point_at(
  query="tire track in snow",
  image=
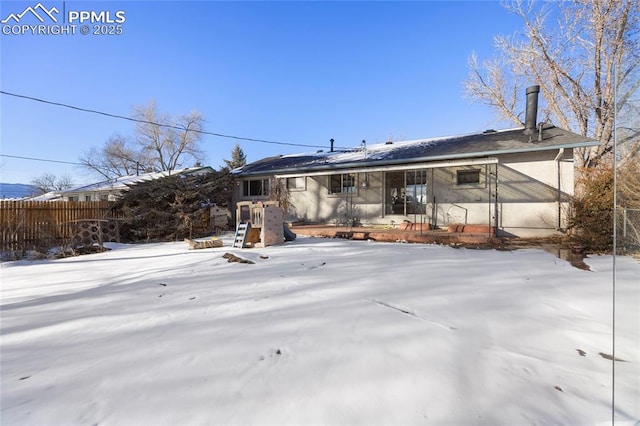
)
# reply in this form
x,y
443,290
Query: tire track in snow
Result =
x,y
410,314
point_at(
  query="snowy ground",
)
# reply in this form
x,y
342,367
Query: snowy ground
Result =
x,y
317,331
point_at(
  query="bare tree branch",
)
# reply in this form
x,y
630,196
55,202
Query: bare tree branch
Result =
x,y
574,57
50,182
156,146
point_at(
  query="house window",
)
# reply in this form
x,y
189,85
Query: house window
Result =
x,y
87,197
406,192
296,183
465,177
255,188
342,184
74,198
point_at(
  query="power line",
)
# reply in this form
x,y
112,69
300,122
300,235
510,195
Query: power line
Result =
x,y
40,159
169,126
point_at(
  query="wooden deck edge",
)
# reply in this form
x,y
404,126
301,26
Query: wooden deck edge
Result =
x,y
396,235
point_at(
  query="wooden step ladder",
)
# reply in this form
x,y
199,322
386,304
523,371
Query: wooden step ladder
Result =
x,y
242,231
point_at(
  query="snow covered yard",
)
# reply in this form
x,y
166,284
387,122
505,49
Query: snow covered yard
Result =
x,y
317,332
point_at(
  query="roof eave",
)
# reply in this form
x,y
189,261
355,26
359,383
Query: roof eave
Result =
x,y
366,164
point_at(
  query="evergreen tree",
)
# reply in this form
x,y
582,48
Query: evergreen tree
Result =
x,y
238,158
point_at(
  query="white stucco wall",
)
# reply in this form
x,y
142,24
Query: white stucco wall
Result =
x,y
527,194
533,207
90,196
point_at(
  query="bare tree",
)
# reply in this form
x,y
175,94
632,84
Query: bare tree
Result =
x,y
279,192
50,182
168,146
578,52
117,157
161,142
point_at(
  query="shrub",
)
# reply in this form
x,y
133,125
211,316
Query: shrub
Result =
x,y
628,183
591,221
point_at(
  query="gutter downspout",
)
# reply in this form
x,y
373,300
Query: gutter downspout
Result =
x,y
559,195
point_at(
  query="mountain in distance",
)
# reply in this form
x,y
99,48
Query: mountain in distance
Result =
x,y
17,190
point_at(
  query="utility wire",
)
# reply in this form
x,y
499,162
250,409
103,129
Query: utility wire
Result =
x,y
40,159
169,126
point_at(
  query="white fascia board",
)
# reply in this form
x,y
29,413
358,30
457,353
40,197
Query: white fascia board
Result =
x,y
410,166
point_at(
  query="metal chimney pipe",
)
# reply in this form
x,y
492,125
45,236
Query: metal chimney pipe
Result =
x,y
331,149
540,129
532,110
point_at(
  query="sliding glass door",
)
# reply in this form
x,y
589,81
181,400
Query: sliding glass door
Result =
x,y
406,192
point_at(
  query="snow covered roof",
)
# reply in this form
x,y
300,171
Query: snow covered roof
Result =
x,y
48,196
123,182
476,145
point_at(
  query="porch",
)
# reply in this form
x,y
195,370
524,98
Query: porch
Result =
x,y
458,235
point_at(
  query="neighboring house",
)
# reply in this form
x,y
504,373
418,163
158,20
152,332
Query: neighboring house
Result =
x,y
47,196
516,181
110,190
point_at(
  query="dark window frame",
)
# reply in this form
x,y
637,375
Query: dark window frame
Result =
x,y
255,188
342,184
468,177
296,179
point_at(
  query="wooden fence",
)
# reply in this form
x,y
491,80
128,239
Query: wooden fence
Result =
x,y
28,225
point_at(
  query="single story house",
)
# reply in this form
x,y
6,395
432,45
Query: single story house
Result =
x,y
110,190
516,182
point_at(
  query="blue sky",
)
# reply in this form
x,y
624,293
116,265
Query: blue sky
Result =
x,y
294,72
